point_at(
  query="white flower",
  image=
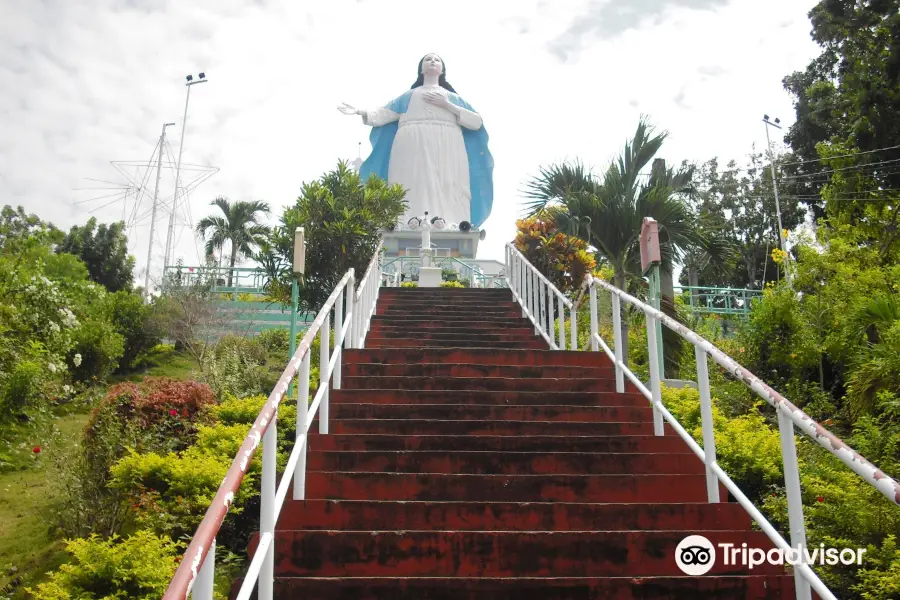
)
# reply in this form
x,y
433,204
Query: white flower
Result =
x,y
52,367
54,327
67,389
77,360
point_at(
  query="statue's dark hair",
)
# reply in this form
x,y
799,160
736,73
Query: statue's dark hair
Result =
x,y
442,80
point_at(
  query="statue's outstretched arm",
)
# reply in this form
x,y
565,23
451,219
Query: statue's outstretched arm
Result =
x,y
375,118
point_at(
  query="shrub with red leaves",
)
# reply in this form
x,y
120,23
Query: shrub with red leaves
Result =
x,y
166,411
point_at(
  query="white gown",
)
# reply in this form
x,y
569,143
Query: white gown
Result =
x,y
429,157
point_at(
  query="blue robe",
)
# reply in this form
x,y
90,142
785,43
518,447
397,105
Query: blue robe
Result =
x,y
481,163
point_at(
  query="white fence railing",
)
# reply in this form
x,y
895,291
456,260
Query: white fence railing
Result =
x,y
540,300
195,574
524,280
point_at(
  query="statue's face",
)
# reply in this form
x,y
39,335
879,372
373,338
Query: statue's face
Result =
x,y
432,65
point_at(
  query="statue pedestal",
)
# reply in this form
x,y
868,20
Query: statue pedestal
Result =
x,y
429,277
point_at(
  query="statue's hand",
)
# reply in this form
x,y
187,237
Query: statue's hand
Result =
x,y
348,110
438,99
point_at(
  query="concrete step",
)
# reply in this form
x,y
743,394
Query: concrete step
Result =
x,y
756,587
535,443
506,488
427,335
535,344
477,384
376,515
504,463
487,398
485,328
476,428
580,414
473,370
498,553
513,357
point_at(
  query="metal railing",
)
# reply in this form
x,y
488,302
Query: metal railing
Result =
x,y
195,574
409,266
789,416
540,301
718,301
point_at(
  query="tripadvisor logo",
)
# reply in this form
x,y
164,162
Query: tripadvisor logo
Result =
x,y
696,555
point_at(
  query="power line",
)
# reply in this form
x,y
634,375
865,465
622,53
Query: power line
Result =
x,y
803,162
865,166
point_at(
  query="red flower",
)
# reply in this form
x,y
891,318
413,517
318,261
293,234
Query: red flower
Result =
x,y
36,449
820,499
173,412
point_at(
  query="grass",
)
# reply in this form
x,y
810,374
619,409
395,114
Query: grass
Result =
x,y
28,541
30,546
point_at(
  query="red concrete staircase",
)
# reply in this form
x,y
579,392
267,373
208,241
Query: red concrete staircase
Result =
x,y
467,461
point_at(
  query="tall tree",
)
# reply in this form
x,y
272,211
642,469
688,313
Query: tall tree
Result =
x,y
104,250
610,211
238,225
738,204
849,94
342,216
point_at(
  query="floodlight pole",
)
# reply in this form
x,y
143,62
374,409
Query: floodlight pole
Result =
x,y
162,144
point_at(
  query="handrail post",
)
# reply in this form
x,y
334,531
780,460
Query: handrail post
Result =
x,y
204,584
532,301
655,384
796,522
573,326
562,322
267,508
617,339
523,286
709,433
324,379
541,305
301,432
595,329
351,307
338,329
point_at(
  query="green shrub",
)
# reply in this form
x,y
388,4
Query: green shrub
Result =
x,y
881,579
139,567
275,340
132,319
96,352
229,371
747,448
451,284
243,411
409,284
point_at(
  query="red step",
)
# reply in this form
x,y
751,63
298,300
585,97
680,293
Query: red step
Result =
x,y
487,443
471,427
475,384
514,357
498,553
758,587
492,463
376,515
336,485
462,343
487,398
458,336
546,412
473,370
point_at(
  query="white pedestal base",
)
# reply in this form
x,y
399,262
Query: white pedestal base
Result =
x,y
429,277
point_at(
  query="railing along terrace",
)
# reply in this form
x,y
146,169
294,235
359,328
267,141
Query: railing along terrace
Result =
x,y
242,278
352,311
721,301
524,279
409,266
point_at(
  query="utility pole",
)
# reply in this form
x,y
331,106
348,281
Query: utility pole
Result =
x,y
787,270
162,145
171,233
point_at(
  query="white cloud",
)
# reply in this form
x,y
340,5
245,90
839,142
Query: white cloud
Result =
x,y
88,82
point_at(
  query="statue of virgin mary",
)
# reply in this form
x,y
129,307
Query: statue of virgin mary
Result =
x,y
434,144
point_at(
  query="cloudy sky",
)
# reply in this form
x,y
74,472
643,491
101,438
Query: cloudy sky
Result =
x,y
87,82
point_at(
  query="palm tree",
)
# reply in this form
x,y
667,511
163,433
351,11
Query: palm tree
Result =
x,y
608,212
238,225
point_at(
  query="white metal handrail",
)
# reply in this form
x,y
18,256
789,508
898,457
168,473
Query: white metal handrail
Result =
x,y
524,277
195,574
789,416
536,294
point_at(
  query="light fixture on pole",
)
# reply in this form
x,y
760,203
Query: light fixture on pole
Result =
x,y
201,78
777,124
